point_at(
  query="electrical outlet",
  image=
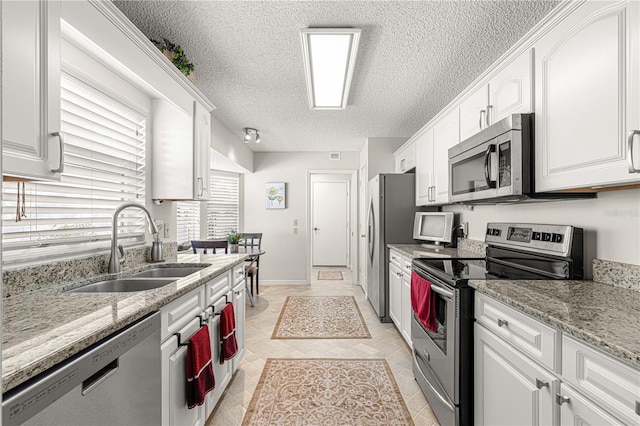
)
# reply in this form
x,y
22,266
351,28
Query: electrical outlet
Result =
x,y
166,230
295,230
295,222
464,227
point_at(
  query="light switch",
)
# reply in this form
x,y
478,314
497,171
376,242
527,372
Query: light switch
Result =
x,y
295,222
295,230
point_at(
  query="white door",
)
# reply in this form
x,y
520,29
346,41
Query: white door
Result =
x,y
329,223
362,241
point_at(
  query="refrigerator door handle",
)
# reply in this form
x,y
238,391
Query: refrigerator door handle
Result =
x,y
371,231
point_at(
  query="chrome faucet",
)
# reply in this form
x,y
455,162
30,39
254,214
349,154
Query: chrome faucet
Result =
x,y
117,254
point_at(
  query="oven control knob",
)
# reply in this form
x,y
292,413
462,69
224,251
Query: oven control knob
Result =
x,y
546,236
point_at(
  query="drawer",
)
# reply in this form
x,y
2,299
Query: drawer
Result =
x,y
238,273
395,258
607,381
179,312
218,286
406,265
539,341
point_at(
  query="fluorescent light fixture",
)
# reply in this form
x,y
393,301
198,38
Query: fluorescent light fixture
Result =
x,y
329,57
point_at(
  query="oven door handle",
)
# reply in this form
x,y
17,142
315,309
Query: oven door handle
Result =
x,y
433,389
441,291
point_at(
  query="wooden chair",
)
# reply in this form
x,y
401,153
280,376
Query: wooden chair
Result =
x,y
252,265
209,244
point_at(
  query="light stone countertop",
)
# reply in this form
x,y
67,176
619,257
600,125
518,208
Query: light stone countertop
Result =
x,y
416,251
43,328
605,316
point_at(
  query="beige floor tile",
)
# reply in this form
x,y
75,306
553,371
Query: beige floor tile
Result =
x,y
386,342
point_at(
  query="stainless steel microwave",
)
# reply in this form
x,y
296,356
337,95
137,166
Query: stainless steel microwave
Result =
x,y
496,165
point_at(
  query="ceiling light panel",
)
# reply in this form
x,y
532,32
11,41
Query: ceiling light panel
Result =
x,y
329,58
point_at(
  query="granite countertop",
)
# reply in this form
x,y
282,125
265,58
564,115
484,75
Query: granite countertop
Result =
x,y
43,328
605,316
416,250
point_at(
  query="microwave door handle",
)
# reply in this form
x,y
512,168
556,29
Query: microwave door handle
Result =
x,y
487,175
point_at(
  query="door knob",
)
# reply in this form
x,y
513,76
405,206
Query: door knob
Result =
x,y
316,229
363,235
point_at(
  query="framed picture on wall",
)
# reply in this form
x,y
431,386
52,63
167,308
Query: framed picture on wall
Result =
x,y
275,195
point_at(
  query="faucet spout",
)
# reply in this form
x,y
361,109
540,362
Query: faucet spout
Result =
x,y
114,261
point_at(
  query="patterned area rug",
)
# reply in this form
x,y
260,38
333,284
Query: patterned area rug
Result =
x,y
330,276
327,392
320,317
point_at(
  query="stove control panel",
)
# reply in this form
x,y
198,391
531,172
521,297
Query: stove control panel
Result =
x,y
540,238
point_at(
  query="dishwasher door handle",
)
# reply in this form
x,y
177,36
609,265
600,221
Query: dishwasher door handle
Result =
x,y
100,377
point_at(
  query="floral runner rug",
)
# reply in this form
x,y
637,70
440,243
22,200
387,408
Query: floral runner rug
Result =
x,y
320,317
330,276
327,392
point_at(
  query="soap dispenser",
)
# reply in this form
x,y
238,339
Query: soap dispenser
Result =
x,y
157,252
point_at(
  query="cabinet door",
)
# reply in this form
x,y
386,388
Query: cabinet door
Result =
x,y
31,89
424,168
446,133
406,159
201,148
587,95
578,410
510,389
174,382
510,91
406,310
221,372
239,307
395,298
473,113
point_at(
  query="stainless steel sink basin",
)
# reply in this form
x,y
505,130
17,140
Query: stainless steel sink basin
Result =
x,y
173,272
123,285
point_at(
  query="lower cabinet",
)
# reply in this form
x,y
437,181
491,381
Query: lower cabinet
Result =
x,y
405,298
395,297
400,309
515,387
509,389
185,316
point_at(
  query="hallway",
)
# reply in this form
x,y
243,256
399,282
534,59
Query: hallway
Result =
x,y
386,342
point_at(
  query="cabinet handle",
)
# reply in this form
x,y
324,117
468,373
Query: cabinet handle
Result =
x,y
488,116
482,112
402,164
561,399
201,187
632,167
502,323
638,408
60,168
541,384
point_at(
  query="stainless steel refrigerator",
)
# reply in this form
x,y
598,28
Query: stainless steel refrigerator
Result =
x,y
392,207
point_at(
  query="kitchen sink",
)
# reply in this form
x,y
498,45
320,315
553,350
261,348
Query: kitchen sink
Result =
x,y
172,272
123,285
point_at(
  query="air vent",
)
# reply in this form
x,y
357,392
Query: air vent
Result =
x,y
334,156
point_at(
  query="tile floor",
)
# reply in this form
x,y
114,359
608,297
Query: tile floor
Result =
x,y
386,342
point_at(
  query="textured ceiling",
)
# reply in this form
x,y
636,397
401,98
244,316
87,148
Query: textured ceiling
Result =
x,y
414,58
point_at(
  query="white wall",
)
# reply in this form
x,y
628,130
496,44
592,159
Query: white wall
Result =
x,y
231,146
611,222
379,154
287,254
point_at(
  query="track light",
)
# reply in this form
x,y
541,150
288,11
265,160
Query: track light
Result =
x,y
251,134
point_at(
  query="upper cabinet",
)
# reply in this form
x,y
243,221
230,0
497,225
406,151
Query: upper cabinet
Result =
x,y
507,92
405,158
32,145
180,152
424,168
587,83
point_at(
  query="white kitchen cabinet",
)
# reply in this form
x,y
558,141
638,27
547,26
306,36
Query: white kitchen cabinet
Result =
x,y
509,91
587,98
239,307
424,168
221,372
180,152
446,133
174,367
406,312
32,145
576,409
510,389
405,158
395,296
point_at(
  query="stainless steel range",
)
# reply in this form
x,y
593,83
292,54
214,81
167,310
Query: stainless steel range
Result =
x,y
443,349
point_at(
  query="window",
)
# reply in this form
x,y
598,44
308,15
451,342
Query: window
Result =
x,y
223,210
188,221
104,166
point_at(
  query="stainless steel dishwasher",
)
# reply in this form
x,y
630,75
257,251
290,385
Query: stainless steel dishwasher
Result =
x,y
114,382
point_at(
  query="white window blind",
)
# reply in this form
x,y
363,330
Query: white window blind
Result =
x,y
223,209
188,221
103,167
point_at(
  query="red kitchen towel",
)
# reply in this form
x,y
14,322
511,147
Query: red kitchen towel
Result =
x,y
228,333
424,306
200,379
